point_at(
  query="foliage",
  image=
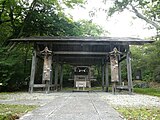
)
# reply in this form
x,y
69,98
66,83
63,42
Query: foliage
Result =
x,y
12,112
20,16
143,9
148,91
12,68
23,18
87,28
140,113
146,58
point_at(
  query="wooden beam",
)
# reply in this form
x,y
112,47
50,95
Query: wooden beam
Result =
x,y
81,57
39,85
78,53
80,40
129,73
33,70
82,64
122,58
81,61
78,43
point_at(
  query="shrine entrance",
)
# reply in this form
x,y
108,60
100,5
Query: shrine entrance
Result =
x,y
108,52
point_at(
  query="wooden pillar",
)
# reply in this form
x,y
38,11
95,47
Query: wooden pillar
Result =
x,y
51,72
103,77
61,76
119,67
129,72
114,68
47,68
89,77
106,76
56,76
48,81
33,70
119,72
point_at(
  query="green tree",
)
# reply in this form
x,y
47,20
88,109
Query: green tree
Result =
x,y
87,28
143,9
147,57
20,18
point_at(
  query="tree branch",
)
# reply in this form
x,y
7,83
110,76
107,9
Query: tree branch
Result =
x,y
144,18
33,4
4,21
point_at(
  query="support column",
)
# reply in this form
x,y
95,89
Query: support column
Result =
x,y
119,72
51,72
119,67
106,76
103,77
89,77
33,70
56,76
129,73
47,68
114,68
48,82
61,76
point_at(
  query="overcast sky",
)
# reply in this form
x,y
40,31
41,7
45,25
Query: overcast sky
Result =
x,y
119,25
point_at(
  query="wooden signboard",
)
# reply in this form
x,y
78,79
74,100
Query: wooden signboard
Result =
x,y
114,68
80,83
47,66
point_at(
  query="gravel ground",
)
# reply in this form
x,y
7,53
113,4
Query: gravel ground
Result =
x,y
135,100
120,99
28,99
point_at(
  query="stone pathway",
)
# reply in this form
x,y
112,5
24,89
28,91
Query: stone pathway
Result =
x,y
75,106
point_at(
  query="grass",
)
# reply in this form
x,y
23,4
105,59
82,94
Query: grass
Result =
x,y
148,91
12,112
139,113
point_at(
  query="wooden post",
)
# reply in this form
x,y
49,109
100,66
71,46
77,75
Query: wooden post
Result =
x,y
47,68
48,82
119,67
129,72
106,76
56,76
47,89
114,68
114,88
33,70
89,77
119,72
103,77
61,76
51,76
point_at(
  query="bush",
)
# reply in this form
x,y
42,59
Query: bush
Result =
x,y
157,74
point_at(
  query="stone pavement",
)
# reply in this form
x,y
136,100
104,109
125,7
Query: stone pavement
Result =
x,y
75,106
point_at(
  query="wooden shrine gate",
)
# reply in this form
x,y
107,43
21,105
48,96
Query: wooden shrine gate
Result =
x,y
80,51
